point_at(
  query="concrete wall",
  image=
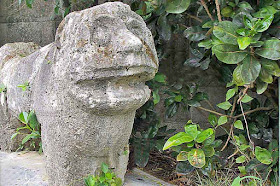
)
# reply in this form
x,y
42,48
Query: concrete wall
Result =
x,y
20,23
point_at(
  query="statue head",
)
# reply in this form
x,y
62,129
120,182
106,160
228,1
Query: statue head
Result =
x,y
110,54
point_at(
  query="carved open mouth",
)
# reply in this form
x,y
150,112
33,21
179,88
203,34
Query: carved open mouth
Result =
x,y
117,90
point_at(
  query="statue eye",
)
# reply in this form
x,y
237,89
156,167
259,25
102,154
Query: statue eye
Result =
x,y
101,36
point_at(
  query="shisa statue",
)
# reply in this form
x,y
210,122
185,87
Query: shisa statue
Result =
x,y
84,87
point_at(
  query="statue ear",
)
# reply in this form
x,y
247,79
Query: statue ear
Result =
x,y
59,33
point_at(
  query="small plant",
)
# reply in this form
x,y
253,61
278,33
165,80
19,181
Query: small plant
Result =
x,y
2,88
105,178
24,86
195,145
32,125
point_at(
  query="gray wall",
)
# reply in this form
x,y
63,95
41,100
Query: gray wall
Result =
x,y
19,23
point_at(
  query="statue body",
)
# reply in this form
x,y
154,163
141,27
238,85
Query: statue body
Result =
x,y
85,88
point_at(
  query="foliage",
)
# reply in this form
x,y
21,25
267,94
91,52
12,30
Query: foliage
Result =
x,y
147,135
31,130
241,41
2,88
24,86
105,178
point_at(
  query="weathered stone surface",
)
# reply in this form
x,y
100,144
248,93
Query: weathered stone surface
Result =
x,y
85,88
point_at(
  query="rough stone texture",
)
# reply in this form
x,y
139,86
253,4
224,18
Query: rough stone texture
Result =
x,y
28,169
18,23
85,88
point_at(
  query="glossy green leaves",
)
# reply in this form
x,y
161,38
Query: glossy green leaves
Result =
x,y
178,139
229,54
226,32
270,49
263,155
196,158
177,6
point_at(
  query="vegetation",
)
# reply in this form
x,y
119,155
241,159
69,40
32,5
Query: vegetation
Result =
x,y
240,40
31,130
105,178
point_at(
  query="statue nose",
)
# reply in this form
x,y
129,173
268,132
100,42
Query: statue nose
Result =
x,y
128,42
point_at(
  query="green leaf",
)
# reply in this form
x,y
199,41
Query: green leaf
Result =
x,y
196,158
229,54
265,76
227,11
191,130
209,151
171,110
243,42
238,124
104,168
242,169
26,138
246,99
156,97
247,22
222,120
13,136
230,94
178,139
164,27
204,135
213,120
226,32
225,105
182,156
263,155
195,33
271,67
261,86
266,11
178,98
184,167
240,159
200,96
270,49
237,77
29,3
23,117
177,6
206,44
32,120
263,25
250,69
160,78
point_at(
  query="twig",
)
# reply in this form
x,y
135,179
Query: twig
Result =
x,y
233,154
206,9
212,111
251,111
196,18
246,124
243,94
231,129
208,102
218,10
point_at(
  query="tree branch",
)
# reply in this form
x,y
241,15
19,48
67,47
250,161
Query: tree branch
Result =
x,y
206,9
218,10
251,111
212,111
